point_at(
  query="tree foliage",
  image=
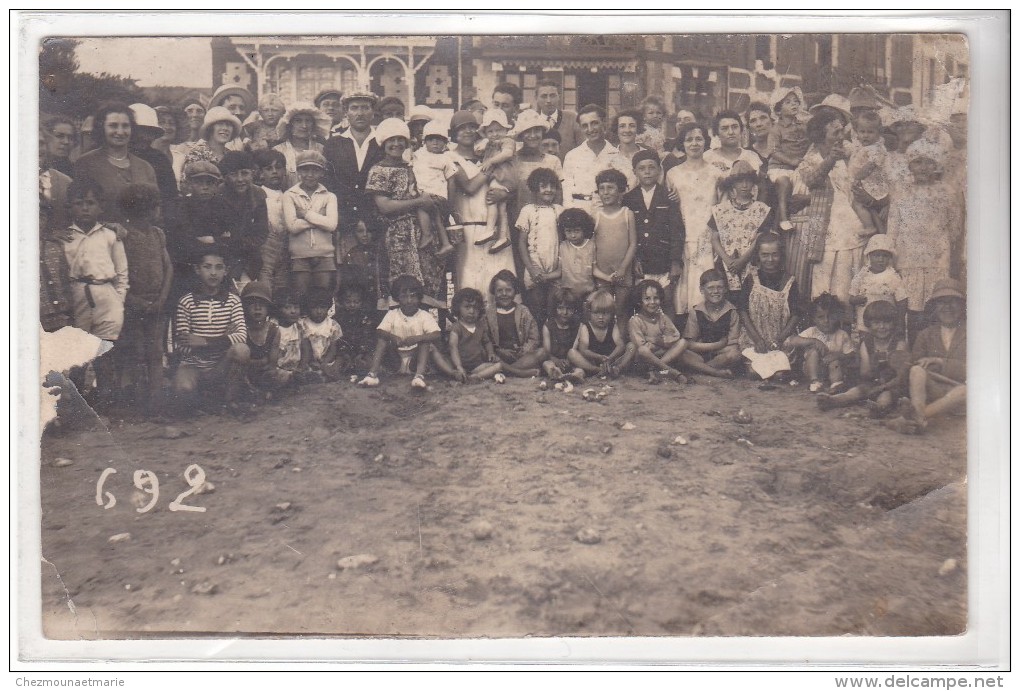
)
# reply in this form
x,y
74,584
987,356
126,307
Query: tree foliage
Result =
x,y
64,89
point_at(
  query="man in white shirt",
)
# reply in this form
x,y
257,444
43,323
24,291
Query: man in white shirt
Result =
x,y
591,157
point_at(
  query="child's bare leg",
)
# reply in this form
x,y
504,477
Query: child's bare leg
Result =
x,y
812,365
864,214
784,187
578,360
621,295
693,361
423,359
842,400
726,358
502,230
491,224
486,370
439,225
877,221
675,352
624,361
442,364
551,370
836,372
425,223
377,356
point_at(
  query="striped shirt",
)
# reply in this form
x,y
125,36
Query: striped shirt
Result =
x,y
213,317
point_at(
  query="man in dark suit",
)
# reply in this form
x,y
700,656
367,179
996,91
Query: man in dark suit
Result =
x,y
660,229
563,121
349,157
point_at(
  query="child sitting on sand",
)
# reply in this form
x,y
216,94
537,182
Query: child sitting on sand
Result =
x,y
600,347
825,345
559,333
472,356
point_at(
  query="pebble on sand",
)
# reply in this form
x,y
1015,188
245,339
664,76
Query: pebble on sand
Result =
x,y
205,588
173,433
948,566
680,439
664,451
743,417
357,561
588,536
606,448
120,537
481,530
62,462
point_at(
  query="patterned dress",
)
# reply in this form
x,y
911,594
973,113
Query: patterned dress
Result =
x,y
402,232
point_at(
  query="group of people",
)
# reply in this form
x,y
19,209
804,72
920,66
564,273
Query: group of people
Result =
x,y
286,243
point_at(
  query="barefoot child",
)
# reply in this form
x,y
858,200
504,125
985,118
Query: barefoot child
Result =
x,y
539,240
497,165
577,251
713,329
472,356
321,334
513,329
878,354
600,348
559,334
409,329
615,240
826,346
433,168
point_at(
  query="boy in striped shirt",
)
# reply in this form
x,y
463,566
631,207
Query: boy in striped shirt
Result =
x,y
210,334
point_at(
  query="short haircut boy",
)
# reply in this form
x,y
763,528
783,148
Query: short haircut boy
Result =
x,y
592,108
316,297
234,161
869,117
602,301
266,157
726,115
575,218
506,276
552,134
711,275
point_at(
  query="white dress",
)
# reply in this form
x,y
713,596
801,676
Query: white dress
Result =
x,y
475,267
696,188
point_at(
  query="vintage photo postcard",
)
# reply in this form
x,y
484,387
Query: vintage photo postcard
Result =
x,y
505,335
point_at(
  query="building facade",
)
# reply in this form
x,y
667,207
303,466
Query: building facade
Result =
x,y
699,72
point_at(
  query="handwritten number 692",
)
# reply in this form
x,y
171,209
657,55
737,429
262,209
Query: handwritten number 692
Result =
x,y
147,482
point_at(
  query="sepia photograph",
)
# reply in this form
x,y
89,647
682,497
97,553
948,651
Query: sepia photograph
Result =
x,y
502,336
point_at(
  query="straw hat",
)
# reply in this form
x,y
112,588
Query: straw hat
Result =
x,y
220,114
861,97
322,121
390,128
834,101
